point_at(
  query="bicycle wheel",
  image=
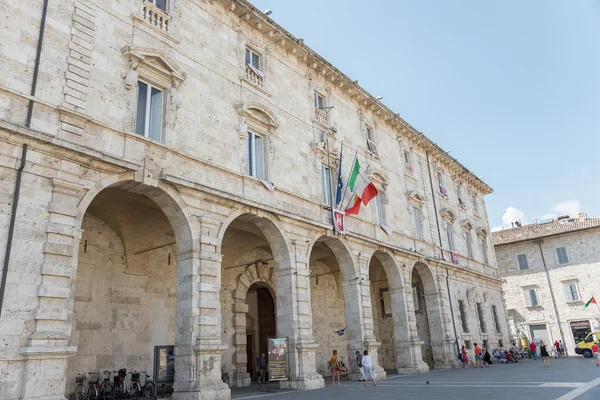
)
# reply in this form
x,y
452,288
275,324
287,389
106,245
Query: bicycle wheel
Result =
x,y
80,392
93,393
344,371
135,390
149,390
106,391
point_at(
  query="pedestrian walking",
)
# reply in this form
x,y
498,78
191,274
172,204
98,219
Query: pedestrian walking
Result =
x,y
487,359
596,352
335,367
544,354
533,349
359,359
562,349
478,356
261,362
367,363
464,358
557,348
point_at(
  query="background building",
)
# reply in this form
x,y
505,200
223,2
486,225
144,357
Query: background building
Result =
x,y
176,189
550,272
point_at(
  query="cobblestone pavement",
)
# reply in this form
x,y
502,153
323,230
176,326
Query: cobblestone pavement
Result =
x,y
566,379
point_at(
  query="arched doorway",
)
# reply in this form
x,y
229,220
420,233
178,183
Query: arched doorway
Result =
x,y
428,316
253,249
335,302
383,308
260,323
126,300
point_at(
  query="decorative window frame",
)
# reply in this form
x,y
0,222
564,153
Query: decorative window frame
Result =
x,y
572,281
467,227
381,180
249,42
526,290
416,201
258,119
409,169
324,120
156,68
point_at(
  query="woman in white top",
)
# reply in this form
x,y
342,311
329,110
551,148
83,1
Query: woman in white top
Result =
x,y
367,363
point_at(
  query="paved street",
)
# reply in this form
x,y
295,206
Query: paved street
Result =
x,y
572,378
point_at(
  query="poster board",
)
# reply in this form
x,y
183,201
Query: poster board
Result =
x,y
164,364
278,359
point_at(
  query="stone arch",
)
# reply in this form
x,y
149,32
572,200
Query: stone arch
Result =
x,y
270,227
342,252
178,215
163,194
431,293
275,274
255,273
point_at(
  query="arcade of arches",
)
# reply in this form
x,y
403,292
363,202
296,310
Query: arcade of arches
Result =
x,y
152,270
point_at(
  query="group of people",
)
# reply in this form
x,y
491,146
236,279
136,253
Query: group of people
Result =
x,y
364,363
483,357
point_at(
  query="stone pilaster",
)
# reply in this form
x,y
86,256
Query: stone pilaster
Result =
x,y
48,350
446,356
242,378
294,319
198,347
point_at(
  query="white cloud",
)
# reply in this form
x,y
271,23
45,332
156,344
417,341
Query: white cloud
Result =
x,y
511,215
571,208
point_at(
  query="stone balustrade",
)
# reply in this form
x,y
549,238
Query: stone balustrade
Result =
x,y
155,16
322,117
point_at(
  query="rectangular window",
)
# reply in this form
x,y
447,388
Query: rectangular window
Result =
x,y
496,321
522,260
463,316
469,242
440,178
408,162
319,101
379,214
256,158
561,255
450,235
370,134
416,292
571,291
149,112
484,250
253,59
162,4
418,222
480,315
531,297
326,180
475,205
461,201
443,189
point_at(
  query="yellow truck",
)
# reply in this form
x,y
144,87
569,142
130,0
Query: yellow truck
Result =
x,y
585,346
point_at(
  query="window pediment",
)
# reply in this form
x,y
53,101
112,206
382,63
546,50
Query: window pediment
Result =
x,y
482,231
448,215
379,178
466,224
415,198
258,115
153,65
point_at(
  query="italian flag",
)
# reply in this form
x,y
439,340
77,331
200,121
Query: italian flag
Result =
x,y
361,187
591,301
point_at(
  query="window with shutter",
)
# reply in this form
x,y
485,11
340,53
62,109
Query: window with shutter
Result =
x,y
522,261
561,255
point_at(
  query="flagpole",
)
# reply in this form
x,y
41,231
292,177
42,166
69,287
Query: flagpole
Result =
x,y
346,187
330,185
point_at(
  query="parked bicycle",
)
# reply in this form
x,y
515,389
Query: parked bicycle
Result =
x,y
93,392
225,377
164,389
135,384
106,387
148,389
80,389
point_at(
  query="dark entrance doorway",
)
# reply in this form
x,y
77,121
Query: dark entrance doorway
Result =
x,y
261,310
580,330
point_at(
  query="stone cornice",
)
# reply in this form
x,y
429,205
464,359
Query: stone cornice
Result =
x,y
250,15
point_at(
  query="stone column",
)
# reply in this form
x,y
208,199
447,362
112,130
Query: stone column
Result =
x,y
242,377
369,341
407,345
198,347
47,351
294,318
446,354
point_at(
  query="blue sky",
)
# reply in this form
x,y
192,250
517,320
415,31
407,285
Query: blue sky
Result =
x,y
511,87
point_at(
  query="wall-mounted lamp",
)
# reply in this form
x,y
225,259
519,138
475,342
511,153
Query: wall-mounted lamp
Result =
x,y
268,11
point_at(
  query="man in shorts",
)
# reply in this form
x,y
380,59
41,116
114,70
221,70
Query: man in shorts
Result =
x,y
478,356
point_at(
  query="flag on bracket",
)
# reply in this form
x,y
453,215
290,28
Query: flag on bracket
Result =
x,y
455,258
591,301
362,189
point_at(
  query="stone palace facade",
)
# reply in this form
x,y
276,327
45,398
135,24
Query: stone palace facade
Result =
x,y
549,269
166,172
